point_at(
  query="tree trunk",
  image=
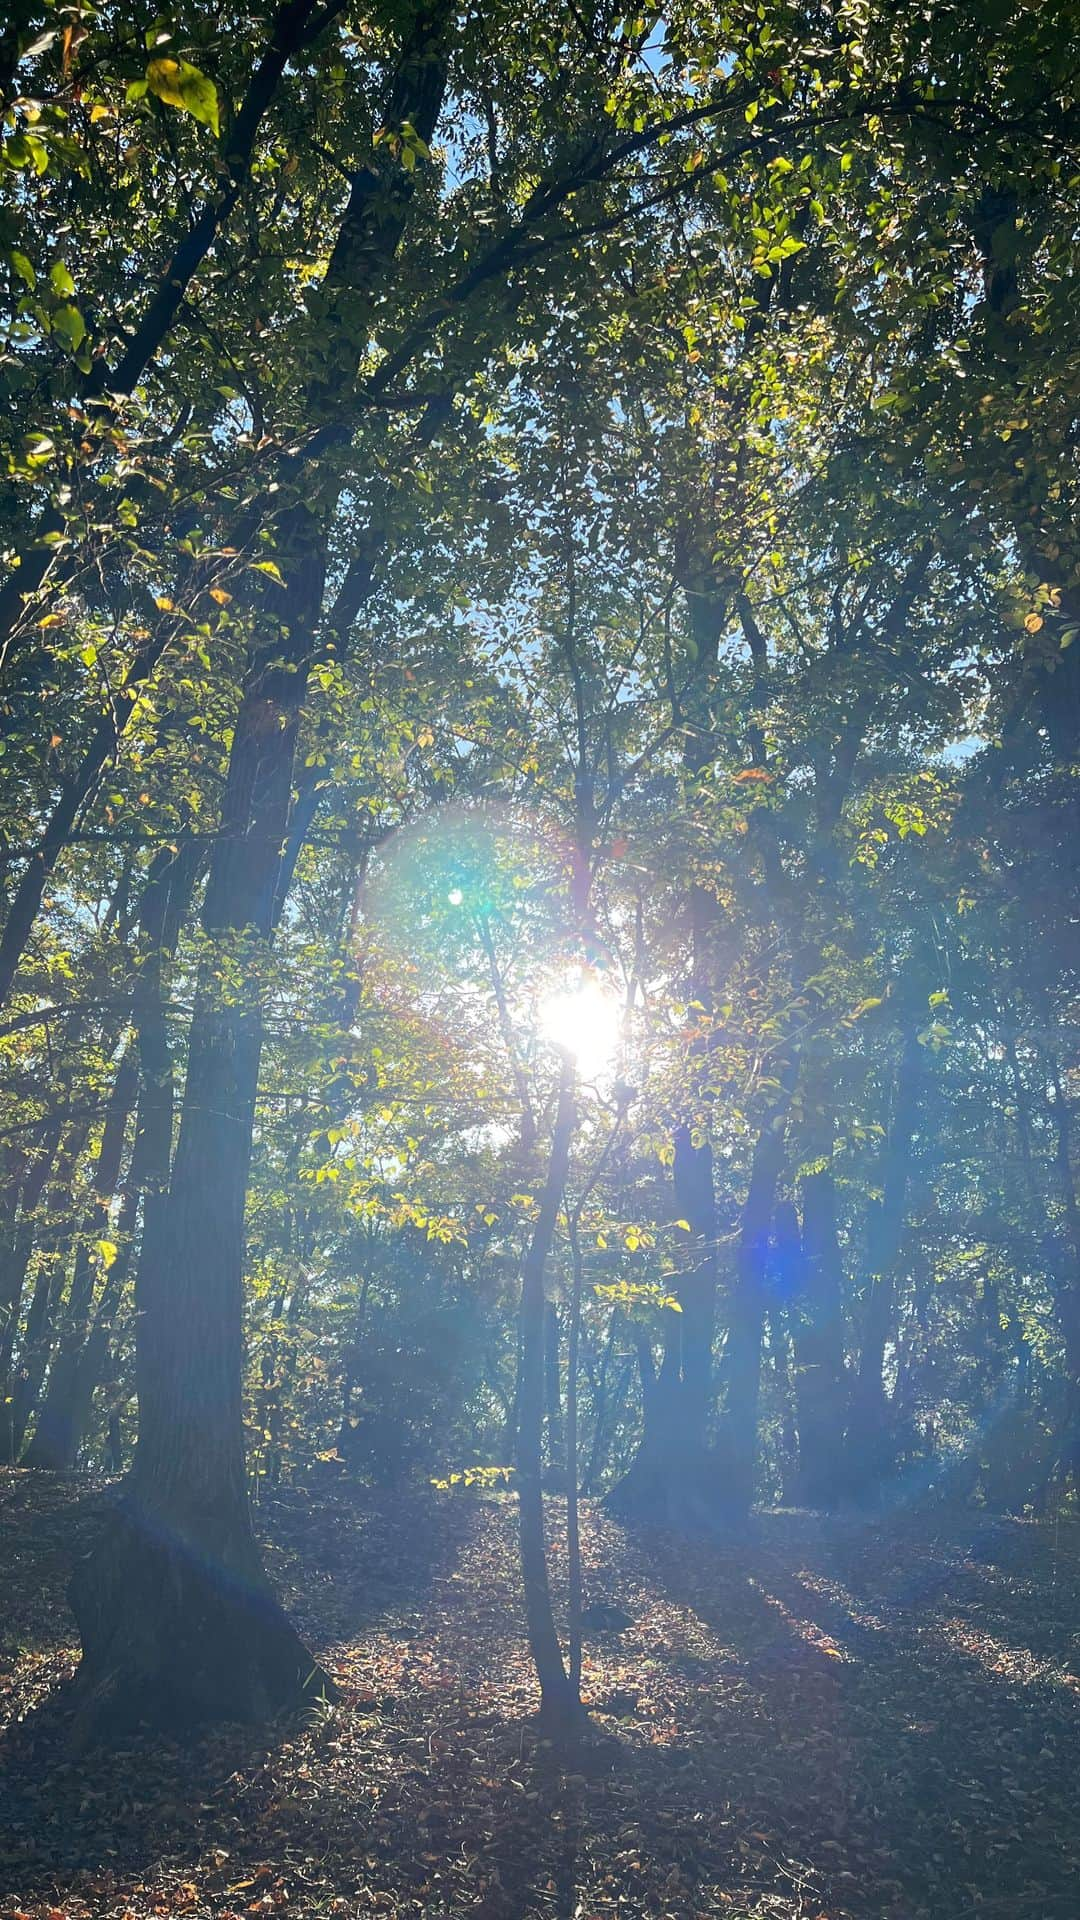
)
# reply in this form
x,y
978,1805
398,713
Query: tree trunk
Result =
x,y
162,911
573,1521
54,1441
601,1396
673,1480
556,1471
818,1329
15,1251
742,1353
1067,1290
177,1619
869,1448
37,1333
780,1352
560,1706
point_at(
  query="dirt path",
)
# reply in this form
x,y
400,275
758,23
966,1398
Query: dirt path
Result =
x,y
823,1722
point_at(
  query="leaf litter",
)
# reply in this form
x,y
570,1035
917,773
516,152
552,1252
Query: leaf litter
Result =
x,y
822,1720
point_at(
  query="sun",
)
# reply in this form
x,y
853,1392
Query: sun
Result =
x,y
582,1018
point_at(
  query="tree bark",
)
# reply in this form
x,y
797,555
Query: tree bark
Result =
x,y
1067,1290
79,1366
37,1333
560,1705
869,1448
15,1251
553,1397
742,1353
54,1439
818,1329
177,1618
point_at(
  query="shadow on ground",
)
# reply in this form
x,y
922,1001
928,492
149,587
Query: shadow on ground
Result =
x,y
823,1721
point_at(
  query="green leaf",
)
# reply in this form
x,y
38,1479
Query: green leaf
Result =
x,y
179,84
23,267
26,150
60,280
68,322
271,567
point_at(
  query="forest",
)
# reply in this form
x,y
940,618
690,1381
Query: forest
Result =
x,y
539,962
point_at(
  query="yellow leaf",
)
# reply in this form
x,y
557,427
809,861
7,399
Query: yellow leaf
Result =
x,y
179,84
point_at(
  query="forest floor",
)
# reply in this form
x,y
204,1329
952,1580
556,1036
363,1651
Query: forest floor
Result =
x,y
826,1720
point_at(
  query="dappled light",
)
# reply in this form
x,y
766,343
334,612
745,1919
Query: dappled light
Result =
x,y
539,1057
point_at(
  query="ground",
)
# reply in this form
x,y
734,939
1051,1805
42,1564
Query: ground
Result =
x,y
825,1721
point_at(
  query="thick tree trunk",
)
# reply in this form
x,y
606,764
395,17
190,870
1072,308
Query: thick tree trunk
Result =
x,y
177,1619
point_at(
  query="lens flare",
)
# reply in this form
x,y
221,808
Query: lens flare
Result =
x,y
581,1017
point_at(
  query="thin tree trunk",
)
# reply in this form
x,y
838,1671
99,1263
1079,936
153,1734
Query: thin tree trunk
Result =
x,y
37,1333
14,1258
868,1443
1067,1292
553,1395
54,1440
560,1706
600,1406
816,1316
573,1519
163,910
672,1479
742,1353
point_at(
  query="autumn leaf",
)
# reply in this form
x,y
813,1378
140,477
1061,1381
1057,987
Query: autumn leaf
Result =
x,y
181,85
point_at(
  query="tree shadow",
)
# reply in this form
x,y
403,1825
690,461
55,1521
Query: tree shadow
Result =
x,y
346,1563
798,1738
893,1763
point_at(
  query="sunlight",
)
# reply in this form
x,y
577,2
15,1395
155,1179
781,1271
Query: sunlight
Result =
x,y
582,1018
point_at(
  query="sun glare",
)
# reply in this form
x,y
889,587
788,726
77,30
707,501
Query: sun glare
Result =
x,y
582,1018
